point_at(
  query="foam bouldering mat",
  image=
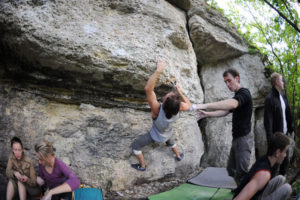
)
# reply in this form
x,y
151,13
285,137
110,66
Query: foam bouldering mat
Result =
x,y
214,177
192,192
223,194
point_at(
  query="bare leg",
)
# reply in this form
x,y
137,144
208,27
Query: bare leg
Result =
x,y
141,160
22,190
175,150
10,191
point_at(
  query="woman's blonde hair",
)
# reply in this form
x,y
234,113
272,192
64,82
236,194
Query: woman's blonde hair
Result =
x,y
44,148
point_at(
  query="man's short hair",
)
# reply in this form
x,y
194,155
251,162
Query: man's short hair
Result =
x,y
231,71
274,77
277,141
171,105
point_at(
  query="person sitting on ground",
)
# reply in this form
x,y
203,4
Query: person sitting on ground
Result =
x,y
20,172
54,174
163,116
259,182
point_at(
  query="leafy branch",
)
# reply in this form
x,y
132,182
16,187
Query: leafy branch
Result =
x,y
260,28
283,16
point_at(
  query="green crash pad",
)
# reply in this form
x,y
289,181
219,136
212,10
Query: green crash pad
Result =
x,y
193,192
223,194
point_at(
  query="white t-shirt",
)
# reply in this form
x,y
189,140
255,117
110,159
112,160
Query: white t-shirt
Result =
x,y
283,107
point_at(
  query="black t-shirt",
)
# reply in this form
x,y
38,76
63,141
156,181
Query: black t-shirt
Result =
x,y
263,164
241,116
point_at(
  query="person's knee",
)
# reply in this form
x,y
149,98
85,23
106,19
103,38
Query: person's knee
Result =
x,y
230,171
20,184
244,157
280,179
135,147
171,143
40,181
136,152
287,189
10,185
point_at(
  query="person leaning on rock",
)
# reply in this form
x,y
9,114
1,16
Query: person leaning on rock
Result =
x,y
163,116
241,107
277,114
20,172
260,182
55,175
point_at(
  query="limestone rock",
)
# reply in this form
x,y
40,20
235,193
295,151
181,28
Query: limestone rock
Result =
x,y
96,142
261,144
217,138
73,72
96,52
186,5
213,38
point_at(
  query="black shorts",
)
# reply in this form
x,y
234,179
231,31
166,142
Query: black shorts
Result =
x,y
65,196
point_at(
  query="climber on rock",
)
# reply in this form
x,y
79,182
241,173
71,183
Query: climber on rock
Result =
x,y
163,116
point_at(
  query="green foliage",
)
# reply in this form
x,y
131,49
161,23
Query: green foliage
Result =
x,y
213,5
296,185
275,36
253,50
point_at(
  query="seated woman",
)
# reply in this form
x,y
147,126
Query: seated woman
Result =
x,y
55,175
20,172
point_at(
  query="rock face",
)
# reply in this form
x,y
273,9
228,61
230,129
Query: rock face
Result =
x,y
73,72
93,52
63,55
260,133
213,39
95,142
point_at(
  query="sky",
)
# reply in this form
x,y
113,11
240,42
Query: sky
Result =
x,y
224,4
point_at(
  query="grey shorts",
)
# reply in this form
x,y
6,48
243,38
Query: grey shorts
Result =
x,y
276,189
32,191
145,140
